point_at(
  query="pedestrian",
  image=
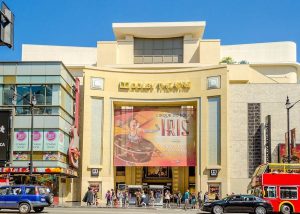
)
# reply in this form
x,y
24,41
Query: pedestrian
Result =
x,y
108,198
88,197
114,198
186,199
151,198
179,199
199,199
126,199
206,198
143,199
120,197
167,199
138,198
193,201
217,197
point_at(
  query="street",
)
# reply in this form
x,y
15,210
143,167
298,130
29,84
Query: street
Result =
x,y
59,210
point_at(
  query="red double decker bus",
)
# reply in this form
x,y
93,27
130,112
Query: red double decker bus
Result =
x,y
279,184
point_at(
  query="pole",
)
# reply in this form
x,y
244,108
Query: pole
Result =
x,y
288,135
31,145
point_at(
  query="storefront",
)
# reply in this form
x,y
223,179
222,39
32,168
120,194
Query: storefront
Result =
x,y
54,147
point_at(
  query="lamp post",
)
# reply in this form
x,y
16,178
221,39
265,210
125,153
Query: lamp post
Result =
x,y
288,106
32,103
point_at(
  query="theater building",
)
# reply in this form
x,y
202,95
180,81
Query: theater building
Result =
x,y
160,108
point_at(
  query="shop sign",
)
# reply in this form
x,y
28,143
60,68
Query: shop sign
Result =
x,y
20,156
4,135
51,140
268,139
21,140
94,172
38,140
213,172
74,152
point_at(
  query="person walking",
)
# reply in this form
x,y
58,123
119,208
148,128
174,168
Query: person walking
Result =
x,y
217,197
186,199
138,198
143,199
151,198
179,199
126,199
108,198
114,198
193,201
88,197
206,198
199,199
167,199
120,197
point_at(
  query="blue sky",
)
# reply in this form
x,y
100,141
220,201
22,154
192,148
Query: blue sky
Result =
x,y
84,22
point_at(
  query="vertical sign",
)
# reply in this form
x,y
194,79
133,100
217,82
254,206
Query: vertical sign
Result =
x,y
293,140
4,135
268,139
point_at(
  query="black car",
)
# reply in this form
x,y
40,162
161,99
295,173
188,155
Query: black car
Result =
x,y
238,204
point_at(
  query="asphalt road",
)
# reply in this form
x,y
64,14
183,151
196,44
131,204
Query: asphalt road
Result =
x,y
58,210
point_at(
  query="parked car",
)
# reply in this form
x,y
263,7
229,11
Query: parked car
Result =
x,y
25,198
239,204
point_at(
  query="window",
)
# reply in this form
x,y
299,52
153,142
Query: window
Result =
x,y
4,190
8,92
269,192
24,93
48,94
155,51
15,191
288,193
120,170
191,171
30,190
236,198
39,92
249,198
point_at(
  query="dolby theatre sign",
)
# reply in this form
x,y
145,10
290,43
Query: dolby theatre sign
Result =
x,y
178,86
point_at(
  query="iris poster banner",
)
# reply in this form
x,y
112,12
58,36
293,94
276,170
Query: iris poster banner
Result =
x,y
155,136
4,135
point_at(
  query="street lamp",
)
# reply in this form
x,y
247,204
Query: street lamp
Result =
x,y
32,103
288,106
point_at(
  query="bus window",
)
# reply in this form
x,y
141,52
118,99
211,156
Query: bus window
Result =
x,y
269,192
288,193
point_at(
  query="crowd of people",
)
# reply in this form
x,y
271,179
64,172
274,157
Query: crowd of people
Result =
x,y
120,198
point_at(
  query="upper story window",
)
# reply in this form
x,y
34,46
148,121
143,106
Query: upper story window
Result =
x,y
156,51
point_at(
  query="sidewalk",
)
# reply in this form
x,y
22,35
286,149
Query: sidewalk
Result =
x,y
79,205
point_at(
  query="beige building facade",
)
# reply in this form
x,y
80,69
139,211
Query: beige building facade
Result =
x,y
166,68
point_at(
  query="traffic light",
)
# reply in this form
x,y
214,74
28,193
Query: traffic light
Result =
x,y
29,166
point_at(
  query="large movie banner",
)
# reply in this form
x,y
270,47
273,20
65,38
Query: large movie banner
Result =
x,y
155,136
